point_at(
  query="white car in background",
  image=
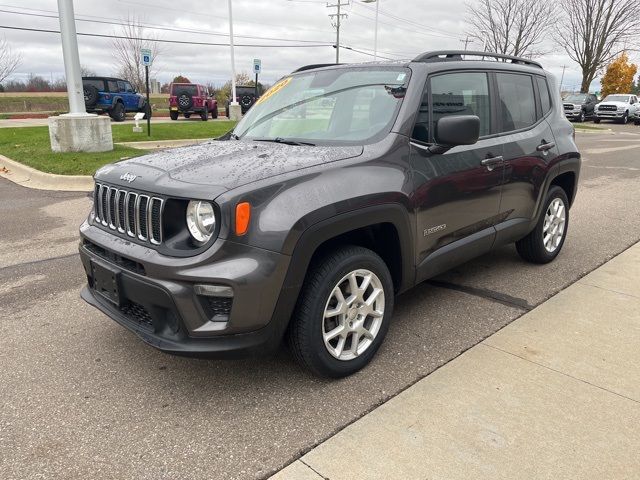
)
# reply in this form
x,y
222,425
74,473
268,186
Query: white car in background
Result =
x,y
619,107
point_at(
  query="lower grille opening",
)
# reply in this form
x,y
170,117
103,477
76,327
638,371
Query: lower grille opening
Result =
x,y
138,314
217,309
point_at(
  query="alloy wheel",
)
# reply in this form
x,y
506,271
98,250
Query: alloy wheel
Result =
x,y
554,225
353,314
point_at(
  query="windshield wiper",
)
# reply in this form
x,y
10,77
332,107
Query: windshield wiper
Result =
x,y
285,141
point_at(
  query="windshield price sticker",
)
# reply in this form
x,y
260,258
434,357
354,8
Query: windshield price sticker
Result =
x,y
275,89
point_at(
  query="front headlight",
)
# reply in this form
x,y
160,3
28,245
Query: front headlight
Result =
x,y
201,220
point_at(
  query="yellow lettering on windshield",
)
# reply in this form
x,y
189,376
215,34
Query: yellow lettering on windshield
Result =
x,y
275,89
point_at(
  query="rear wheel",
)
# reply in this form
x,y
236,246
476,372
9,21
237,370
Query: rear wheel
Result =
x,y
147,111
214,112
204,114
173,115
544,243
117,113
343,312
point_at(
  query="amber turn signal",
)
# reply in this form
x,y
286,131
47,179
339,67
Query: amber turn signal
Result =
x,y
243,216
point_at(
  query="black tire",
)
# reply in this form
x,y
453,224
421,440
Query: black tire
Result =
x,y
204,114
531,248
305,332
173,115
147,111
187,115
117,113
636,121
91,95
214,112
596,120
625,118
582,117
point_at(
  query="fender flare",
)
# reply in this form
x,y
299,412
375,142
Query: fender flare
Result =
x,y
318,233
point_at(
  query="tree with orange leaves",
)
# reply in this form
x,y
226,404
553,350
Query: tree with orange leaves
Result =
x,y
619,76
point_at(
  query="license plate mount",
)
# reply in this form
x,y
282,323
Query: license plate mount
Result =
x,y
106,282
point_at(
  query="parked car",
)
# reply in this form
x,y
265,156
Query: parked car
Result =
x,y
306,227
113,96
579,106
189,98
246,97
617,107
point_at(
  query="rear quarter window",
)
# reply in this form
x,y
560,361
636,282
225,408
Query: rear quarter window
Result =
x,y
99,84
516,101
545,96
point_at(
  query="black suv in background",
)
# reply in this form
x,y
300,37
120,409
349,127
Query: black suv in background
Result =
x,y
246,97
343,187
579,106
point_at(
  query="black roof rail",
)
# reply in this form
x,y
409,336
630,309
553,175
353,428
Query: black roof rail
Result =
x,y
316,65
453,55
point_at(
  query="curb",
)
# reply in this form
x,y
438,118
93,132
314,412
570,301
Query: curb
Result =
x,y
32,178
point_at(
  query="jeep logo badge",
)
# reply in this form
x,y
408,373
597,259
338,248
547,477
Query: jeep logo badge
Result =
x,y
128,177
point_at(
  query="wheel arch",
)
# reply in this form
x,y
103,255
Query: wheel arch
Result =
x,y
385,229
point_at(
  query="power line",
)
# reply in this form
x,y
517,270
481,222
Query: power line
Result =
x,y
183,42
157,27
405,28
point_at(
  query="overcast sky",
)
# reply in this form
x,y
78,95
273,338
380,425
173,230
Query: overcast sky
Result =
x,y
420,25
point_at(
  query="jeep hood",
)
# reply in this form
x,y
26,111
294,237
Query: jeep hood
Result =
x,y
218,165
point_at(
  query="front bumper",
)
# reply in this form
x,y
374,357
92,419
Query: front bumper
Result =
x,y
156,298
609,114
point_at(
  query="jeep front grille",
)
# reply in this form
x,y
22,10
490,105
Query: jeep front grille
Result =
x,y
130,213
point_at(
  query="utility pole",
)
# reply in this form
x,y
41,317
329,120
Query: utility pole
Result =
x,y
466,42
336,19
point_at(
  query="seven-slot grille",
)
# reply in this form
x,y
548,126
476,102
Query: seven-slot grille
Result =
x,y
134,214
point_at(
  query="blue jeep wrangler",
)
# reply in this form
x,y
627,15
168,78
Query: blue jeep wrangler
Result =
x,y
113,96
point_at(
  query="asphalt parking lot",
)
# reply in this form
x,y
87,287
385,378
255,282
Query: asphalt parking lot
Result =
x,y
81,397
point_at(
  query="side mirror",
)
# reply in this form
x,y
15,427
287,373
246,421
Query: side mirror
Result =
x,y
455,130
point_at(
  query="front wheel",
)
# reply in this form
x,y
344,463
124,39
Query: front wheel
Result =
x,y
625,118
582,117
214,112
204,114
544,243
636,121
147,111
596,120
343,312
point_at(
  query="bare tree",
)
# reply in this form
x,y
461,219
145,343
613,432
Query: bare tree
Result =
x,y
9,60
87,72
593,32
127,51
511,27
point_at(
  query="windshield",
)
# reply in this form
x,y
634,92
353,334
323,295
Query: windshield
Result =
x,y
616,98
343,106
576,98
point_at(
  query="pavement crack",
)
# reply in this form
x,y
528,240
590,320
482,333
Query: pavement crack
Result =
x,y
35,262
492,295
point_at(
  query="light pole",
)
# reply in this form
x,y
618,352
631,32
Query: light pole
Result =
x,y
76,131
235,111
375,35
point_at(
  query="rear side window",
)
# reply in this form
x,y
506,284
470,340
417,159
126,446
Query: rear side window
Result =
x,y
516,103
99,84
464,93
545,98
113,85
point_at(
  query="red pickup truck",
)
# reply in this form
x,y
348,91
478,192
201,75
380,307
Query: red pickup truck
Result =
x,y
188,98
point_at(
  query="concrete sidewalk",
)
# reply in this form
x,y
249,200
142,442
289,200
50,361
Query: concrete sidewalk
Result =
x,y
555,394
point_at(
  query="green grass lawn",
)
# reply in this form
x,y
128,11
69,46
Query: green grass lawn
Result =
x,y
30,145
582,126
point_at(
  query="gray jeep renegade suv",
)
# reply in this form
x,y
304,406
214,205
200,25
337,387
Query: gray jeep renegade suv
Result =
x,y
342,187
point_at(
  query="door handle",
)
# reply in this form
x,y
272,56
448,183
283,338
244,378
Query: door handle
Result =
x,y
491,162
543,147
